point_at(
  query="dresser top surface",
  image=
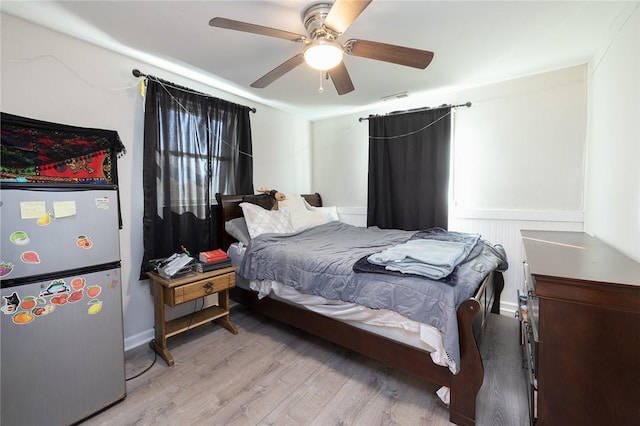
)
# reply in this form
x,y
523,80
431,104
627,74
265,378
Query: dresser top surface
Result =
x,y
577,255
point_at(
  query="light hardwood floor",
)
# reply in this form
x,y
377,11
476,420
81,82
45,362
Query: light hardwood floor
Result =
x,y
272,374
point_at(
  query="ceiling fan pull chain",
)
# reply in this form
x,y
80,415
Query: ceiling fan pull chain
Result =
x,y
321,89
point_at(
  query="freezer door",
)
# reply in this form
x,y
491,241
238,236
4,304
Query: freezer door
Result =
x,y
45,231
62,349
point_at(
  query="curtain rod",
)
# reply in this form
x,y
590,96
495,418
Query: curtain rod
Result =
x,y
138,73
467,104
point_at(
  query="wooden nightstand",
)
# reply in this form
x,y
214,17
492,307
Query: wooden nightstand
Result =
x,y
181,290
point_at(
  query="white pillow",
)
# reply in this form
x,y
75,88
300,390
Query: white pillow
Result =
x,y
262,221
237,228
331,211
301,218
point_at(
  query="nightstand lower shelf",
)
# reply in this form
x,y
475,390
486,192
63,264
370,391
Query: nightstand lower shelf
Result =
x,y
212,313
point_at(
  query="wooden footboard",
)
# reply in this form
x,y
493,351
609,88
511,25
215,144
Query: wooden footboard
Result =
x,y
472,318
466,384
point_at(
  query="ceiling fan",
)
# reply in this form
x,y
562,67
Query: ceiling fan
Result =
x,y
325,22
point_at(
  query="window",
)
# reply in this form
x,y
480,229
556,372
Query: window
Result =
x,y
194,146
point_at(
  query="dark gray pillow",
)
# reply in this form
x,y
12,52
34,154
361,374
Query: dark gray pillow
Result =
x,y
237,228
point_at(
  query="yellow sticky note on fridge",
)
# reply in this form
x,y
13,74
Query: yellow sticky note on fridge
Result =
x,y
64,209
32,209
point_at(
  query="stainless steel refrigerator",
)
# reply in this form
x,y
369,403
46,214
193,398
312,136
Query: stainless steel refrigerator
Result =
x,y
61,341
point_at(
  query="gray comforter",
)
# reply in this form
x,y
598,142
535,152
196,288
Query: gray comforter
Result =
x,y
320,261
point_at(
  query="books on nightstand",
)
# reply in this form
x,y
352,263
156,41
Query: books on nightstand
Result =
x,y
212,260
212,266
212,256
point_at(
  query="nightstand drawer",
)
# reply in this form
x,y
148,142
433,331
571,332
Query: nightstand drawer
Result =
x,y
176,295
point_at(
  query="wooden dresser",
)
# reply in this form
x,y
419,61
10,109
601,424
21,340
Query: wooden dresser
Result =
x,y
582,330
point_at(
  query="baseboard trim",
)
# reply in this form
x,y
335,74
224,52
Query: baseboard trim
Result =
x,y
139,339
520,215
508,309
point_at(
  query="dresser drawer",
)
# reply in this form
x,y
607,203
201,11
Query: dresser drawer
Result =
x,y
533,309
176,295
530,365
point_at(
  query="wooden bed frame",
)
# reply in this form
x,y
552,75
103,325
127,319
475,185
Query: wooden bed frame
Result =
x,y
472,315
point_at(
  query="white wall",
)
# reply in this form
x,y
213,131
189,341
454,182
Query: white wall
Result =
x,y
52,77
521,144
612,202
281,151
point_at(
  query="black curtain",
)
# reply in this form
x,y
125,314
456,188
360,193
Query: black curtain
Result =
x,y
194,146
409,170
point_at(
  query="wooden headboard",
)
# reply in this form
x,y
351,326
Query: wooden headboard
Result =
x,y
229,208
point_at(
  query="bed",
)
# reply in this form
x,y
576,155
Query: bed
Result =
x,y
460,384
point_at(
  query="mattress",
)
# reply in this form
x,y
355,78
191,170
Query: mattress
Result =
x,y
382,322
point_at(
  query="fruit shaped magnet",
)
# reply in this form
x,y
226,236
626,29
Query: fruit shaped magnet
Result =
x,y
41,311
28,302
45,219
95,306
75,296
19,238
77,283
5,268
30,257
94,291
60,299
22,318
84,242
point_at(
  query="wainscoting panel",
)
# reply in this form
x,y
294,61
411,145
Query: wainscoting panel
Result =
x,y
503,227
356,216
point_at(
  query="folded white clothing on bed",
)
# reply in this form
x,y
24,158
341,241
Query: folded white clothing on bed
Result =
x,y
429,258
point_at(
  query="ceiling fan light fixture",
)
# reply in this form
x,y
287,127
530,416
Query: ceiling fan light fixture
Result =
x,y
323,54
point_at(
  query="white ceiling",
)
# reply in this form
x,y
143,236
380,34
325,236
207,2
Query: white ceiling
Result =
x,y
475,42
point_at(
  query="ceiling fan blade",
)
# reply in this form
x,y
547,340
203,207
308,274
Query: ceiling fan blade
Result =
x,y
230,24
340,77
278,72
343,13
389,53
